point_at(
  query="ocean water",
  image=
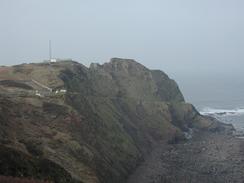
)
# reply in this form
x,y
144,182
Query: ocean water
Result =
x,y
220,96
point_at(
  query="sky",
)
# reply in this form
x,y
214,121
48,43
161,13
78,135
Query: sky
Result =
x,y
183,38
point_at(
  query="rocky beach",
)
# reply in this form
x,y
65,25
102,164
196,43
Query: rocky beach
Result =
x,y
207,157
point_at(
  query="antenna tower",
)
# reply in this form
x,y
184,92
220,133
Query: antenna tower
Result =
x,y
50,50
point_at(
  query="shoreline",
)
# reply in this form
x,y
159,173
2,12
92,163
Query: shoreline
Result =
x,y
207,157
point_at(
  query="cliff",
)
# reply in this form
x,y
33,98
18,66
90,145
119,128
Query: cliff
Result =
x,y
68,123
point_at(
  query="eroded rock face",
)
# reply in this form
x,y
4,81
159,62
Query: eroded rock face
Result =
x,y
109,119
125,77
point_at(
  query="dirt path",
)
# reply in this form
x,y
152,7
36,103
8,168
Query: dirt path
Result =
x,y
208,157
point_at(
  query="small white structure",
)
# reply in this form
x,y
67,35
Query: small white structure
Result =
x,y
38,94
63,91
53,60
60,91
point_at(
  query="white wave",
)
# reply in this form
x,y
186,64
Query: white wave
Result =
x,y
222,112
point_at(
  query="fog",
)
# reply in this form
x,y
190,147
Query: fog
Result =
x,y
187,39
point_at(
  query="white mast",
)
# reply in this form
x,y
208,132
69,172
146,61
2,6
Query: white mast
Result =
x,y
50,50
50,53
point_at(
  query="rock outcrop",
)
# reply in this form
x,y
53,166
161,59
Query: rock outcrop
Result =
x,y
97,131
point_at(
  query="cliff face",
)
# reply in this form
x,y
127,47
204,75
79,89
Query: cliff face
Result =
x,y
124,77
95,125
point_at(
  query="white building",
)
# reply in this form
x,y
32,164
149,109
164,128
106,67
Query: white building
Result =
x,y
63,91
38,94
53,60
60,91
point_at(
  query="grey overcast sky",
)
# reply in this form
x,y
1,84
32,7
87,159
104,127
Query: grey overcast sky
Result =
x,y
172,35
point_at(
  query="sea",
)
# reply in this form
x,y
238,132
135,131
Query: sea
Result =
x,y
217,95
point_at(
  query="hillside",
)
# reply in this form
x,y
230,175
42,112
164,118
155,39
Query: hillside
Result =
x,y
65,122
